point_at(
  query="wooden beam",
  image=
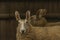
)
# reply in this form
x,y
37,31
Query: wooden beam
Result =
x,y
10,15
4,15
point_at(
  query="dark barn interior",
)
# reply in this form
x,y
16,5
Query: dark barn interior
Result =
x,y
8,22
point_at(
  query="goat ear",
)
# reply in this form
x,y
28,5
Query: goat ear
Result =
x,y
38,14
41,12
17,15
27,14
44,12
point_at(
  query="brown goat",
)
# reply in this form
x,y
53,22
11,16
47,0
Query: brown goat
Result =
x,y
25,31
39,19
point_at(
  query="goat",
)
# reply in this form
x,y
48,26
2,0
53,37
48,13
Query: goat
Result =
x,y
26,31
39,19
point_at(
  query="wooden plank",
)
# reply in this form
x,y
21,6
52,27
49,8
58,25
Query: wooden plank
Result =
x,y
4,15
13,15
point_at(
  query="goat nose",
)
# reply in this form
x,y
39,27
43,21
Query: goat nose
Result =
x,y
23,31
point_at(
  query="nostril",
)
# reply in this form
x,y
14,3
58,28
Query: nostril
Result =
x,y
22,31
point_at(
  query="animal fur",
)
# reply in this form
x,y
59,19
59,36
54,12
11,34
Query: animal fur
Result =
x,y
40,22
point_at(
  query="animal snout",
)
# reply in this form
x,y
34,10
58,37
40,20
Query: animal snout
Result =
x,y
22,31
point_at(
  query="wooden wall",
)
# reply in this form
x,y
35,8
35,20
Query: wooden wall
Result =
x,y
53,8
8,23
8,29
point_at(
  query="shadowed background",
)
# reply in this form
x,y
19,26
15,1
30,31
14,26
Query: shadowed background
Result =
x,y
8,23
